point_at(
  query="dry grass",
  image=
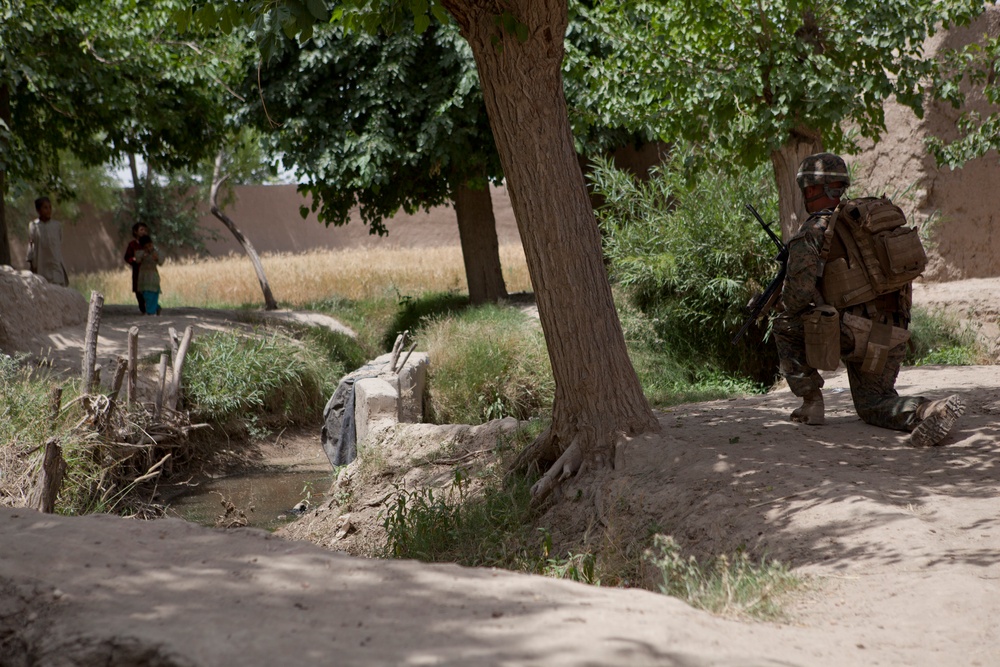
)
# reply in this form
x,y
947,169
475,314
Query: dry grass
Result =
x,y
356,273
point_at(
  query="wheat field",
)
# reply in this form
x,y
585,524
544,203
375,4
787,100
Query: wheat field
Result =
x,y
298,279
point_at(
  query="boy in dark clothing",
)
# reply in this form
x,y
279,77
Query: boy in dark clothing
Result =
x,y
138,229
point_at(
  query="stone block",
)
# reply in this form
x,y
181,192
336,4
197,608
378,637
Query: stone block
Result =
x,y
376,404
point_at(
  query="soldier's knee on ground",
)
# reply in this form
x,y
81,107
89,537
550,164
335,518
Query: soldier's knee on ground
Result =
x,y
937,419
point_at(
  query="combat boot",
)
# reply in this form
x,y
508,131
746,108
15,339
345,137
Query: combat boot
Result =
x,y
937,418
811,410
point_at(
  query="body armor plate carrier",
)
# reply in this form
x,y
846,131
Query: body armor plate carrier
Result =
x,y
870,251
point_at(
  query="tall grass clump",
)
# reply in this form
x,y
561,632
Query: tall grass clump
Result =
x,y
687,254
732,586
939,338
26,424
667,380
256,383
489,362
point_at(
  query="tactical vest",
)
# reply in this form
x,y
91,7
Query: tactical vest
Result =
x,y
869,251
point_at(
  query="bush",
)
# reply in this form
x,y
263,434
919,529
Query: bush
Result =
x,y
257,382
689,256
488,362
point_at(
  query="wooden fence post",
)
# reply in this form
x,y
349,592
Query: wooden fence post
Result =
x,y
45,491
133,359
90,341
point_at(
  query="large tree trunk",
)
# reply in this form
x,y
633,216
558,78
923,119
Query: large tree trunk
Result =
x,y
802,143
258,267
477,230
5,116
598,395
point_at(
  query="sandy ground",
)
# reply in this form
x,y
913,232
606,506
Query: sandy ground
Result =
x,y
901,548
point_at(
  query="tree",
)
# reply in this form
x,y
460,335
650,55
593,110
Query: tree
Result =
x,y
387,122
765,81
518,49
101,79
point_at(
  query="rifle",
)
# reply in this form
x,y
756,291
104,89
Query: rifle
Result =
x,y
762,303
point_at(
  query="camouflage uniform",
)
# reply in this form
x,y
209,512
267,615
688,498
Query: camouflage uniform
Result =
x,y
875,397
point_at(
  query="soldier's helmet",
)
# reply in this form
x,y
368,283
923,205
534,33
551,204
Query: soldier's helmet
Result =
x,y
821,169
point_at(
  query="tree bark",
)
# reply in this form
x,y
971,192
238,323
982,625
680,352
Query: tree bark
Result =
x,y
477,230
217,181
802,143
598,395
5,117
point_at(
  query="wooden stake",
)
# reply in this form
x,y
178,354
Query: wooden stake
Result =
x,y
90,341
158,404
116,388
55,403
174,338
133,359
175,384
44,494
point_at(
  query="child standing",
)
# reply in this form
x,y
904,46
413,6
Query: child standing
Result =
x,y
148,281
139,229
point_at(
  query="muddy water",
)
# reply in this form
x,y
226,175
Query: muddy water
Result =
x,y
270,495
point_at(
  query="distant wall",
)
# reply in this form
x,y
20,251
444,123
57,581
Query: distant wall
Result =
x,y
269,216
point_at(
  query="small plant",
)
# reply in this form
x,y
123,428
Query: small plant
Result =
x,y
726,585
938,338
575,567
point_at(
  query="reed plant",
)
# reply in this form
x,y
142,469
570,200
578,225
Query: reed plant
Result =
x,y
250,383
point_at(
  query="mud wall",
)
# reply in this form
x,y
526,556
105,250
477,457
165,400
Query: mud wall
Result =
x,y
956,206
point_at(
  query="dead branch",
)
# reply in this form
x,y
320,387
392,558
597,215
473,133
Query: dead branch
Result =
x,y
258,267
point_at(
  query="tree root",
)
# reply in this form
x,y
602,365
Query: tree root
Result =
x,y
570,463
584,452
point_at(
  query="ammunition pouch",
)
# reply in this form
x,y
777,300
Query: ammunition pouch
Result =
x,y
872,342
822,338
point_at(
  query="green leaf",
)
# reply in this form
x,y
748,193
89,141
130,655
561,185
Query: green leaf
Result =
x,y
182,17
420,23
441,14
318,9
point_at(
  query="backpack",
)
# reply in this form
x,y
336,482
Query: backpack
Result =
x,y
869,251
